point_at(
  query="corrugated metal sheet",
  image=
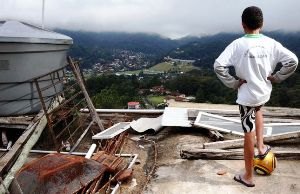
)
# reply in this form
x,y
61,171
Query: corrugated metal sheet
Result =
x,y
144,124
58,173
176,117
112,163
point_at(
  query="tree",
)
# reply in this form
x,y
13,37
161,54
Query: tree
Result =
x,y
107,98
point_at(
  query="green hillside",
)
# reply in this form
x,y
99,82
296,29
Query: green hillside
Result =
x,y
165,67
171,66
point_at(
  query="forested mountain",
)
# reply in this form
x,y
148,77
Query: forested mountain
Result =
x,y
139,42
206,49
95,47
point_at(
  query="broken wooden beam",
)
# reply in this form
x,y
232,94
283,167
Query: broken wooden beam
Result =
x,y
219,154
17,156
238,143
8,159
15,120
90,104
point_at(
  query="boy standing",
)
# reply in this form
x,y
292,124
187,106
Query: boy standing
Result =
x,y
254,58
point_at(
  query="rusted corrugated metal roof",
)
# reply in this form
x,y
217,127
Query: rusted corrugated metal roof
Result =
x,y
110,162
58,173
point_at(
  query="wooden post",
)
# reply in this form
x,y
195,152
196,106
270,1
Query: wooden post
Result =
x,y
47,115
86,95
238,143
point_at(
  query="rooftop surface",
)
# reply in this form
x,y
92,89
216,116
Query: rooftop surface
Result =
x,y
173,175
161,170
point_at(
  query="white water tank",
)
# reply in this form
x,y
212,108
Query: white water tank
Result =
x,y
27,52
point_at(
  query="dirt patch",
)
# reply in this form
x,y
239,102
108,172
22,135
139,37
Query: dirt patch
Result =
x,y
142,167
168,143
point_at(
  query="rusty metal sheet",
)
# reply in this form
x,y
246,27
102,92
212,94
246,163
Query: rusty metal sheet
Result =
x,y
58,173
111,162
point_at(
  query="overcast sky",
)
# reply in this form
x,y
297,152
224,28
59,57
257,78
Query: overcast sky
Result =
x,y
171,18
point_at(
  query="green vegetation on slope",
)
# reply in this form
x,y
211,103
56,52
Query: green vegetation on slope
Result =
x,y
110,91
155,100
164,67
173,67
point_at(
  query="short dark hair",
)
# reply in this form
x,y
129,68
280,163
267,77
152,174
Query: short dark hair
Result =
x,y
252,17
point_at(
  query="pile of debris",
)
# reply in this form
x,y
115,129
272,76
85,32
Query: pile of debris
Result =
x,y
61,173
275,134
107,167
105,170
229,149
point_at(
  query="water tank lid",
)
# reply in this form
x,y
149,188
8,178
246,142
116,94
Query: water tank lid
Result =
x,y
15,31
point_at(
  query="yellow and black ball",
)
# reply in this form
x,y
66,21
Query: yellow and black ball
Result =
x,y
265,166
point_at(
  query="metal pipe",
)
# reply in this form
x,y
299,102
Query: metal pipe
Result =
x,y
43,15
130,166
81,137
49,120
91,151
53,152
144,111
76,153
133,160
49,152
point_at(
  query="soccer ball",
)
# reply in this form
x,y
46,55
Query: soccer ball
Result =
x,y
265,166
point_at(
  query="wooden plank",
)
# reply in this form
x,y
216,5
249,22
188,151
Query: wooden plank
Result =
x,y
17,165
219,154
92,109
8,159
38,128
15,120
14,126
238,143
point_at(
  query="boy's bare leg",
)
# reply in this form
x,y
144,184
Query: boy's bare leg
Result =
x,y
248,156
259,125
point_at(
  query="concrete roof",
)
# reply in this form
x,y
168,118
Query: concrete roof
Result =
x,y
200,176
